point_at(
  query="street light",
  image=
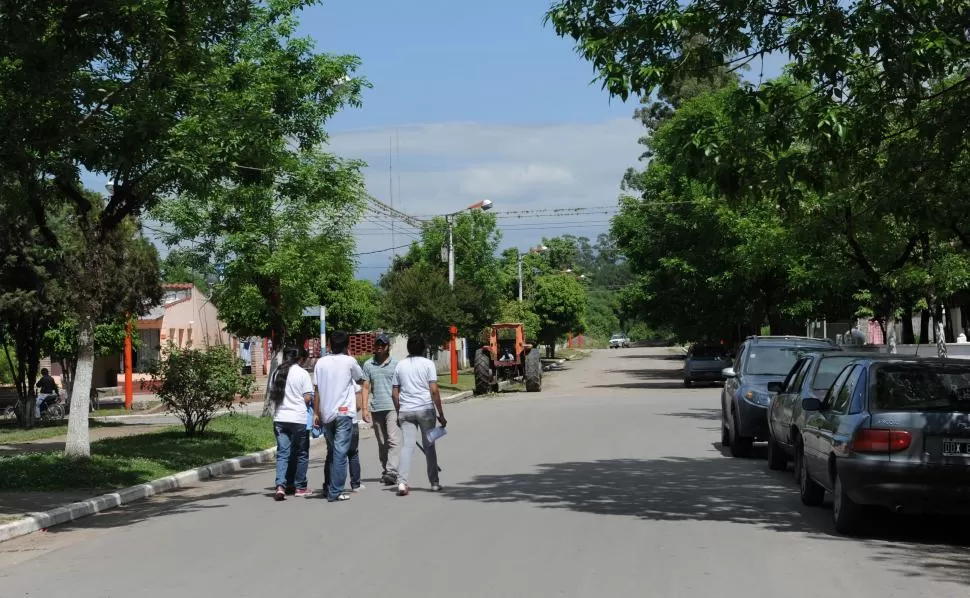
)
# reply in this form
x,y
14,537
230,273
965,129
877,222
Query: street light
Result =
x,y
484,205
539,249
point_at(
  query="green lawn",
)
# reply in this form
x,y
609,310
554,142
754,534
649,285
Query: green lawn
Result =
x,y
465,382
13,434
121,462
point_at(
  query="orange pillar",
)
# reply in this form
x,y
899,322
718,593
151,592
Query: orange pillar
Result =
x,y
129,391
454,354
570,340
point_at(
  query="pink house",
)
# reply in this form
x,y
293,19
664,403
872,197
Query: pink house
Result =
x,y
186,317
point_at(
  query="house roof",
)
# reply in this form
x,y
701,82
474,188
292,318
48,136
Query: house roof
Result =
x,y
156,313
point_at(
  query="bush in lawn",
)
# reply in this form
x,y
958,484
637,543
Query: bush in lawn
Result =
x,y
194,384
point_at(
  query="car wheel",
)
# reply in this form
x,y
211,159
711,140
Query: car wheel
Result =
x,y
846,513
811,493
725,434
741,446
777,459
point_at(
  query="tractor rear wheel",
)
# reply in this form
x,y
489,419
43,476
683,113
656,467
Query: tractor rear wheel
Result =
x,y
533,371
483,372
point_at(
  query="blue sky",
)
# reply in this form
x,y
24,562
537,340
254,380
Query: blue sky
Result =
x,y
484,102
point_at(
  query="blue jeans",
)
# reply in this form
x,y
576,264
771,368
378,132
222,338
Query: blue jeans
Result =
x,y
303,463
289,444
339,433
353,457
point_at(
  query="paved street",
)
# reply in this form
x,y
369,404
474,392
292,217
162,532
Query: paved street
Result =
x,y
608,483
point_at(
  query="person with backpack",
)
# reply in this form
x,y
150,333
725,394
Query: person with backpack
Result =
x,y
291,391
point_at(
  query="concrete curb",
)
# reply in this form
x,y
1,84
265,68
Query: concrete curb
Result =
x,y
41,520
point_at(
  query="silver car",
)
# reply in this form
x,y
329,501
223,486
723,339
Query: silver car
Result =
x,y
889,433
619,340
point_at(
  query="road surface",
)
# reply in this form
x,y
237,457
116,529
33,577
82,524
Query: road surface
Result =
x,y
608,483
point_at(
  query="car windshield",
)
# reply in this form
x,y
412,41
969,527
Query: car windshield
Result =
x,y
828,371
616,337
772,360
923,387
707,353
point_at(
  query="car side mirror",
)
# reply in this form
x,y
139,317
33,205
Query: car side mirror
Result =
x,y
776,386
811,404
729,373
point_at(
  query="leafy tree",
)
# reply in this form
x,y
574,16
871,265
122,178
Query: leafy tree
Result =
x,y
164,99
476,238
60,344
560,305
419,301
521,312
178,267
195,384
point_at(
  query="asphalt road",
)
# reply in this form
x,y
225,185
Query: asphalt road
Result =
x,y
608,483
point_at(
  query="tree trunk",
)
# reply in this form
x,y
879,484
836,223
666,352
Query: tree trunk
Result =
x,y
909,335
891,333
939,318
78,445
274,364
924,326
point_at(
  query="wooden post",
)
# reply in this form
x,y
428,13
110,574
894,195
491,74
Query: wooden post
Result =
x,y
454,354
129,391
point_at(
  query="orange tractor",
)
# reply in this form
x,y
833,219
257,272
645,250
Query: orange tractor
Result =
x,y
506,356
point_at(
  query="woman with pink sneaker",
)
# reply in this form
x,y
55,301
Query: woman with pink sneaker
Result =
x,y
291,392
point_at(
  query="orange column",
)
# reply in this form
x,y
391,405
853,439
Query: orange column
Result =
x,y
570,340
129,391
454,354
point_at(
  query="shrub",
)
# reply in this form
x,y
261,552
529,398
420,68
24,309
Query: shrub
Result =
x,y
195,384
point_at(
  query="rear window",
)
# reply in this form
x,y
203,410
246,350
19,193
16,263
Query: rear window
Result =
x,y
922,388
776,360
707,352
828,371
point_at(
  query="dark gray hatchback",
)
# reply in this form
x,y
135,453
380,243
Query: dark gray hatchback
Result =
x,y
890,433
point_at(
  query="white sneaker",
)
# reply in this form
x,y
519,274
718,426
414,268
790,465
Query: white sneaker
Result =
x,y
358,488
436,487
402,489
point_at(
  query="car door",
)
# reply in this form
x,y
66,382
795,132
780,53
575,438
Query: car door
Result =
x,y
814,420
831,430
731,385
780,412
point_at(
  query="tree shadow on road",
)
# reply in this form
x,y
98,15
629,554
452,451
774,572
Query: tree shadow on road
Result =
x,y
655,378
739,491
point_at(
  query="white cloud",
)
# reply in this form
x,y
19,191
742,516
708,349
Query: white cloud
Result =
x,y
443,167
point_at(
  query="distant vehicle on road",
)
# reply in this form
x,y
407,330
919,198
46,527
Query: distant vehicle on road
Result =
x,y
745,399
705,363
889,433
810,378
619,341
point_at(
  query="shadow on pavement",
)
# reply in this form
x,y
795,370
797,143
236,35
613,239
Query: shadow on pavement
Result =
x,y
704,414
648,356
739,491
655,378
176,502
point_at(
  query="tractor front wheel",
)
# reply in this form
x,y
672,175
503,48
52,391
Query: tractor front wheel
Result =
x,y
533,371
483,372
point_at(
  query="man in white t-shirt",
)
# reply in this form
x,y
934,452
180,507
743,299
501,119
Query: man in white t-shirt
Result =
x,y
335,407
416,397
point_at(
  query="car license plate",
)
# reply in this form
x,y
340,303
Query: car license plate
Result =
x,y
956,448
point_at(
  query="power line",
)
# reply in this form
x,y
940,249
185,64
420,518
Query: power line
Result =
x,y
381,250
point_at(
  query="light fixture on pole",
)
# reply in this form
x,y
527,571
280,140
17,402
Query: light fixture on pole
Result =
x,y
539,249
484,205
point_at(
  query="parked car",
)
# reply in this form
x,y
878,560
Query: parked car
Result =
x,y
810,378
705,363
619,340
889,433
745,399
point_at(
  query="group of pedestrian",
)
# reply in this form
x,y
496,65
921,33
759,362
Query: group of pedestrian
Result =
x,y
400,399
